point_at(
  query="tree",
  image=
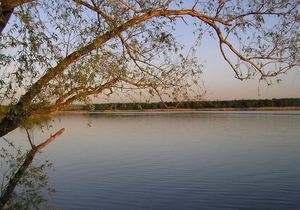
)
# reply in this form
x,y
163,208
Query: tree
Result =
x,y
54,53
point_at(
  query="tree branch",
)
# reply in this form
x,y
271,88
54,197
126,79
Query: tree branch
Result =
x,y
23,109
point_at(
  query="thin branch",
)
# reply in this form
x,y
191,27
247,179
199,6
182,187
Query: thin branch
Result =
x,y
128,48
258,13
130,7
13,119
160,97
84,92
29,138
96,9
220,7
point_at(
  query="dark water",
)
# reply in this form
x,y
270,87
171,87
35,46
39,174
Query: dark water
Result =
x,y
236,160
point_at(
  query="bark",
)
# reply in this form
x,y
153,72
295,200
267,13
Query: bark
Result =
x,y
5,14
9,189
24,108
14,118
7,8
21,111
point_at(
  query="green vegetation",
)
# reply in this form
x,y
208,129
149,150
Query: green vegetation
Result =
x,y
33,120
57,53
3,110
242,104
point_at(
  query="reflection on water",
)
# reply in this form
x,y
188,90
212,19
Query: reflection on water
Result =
x,y
176,161
22,181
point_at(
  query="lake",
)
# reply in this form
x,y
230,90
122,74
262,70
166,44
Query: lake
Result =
x,y
196,160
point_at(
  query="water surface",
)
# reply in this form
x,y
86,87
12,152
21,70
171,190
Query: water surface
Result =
x,y
207,160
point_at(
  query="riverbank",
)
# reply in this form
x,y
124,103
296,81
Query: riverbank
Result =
x,y
186,110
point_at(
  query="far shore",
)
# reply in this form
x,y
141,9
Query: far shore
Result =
x,y
187,110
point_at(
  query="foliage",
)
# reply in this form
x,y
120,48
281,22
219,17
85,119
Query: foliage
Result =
x,y
250,103
54,53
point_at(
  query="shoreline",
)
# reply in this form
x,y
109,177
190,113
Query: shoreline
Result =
x,y
185,110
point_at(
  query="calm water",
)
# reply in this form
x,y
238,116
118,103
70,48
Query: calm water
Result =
x,y
235,160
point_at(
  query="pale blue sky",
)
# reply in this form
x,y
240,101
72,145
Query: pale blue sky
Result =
x,y
221,84
219,79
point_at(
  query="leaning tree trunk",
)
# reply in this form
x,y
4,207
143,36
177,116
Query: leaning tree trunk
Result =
x,y
7,125
14,117
11,121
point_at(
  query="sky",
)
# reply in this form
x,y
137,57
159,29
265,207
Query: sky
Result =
x,y
219,80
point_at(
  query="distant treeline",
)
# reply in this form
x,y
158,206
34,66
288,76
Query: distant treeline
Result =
x,y
283,102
